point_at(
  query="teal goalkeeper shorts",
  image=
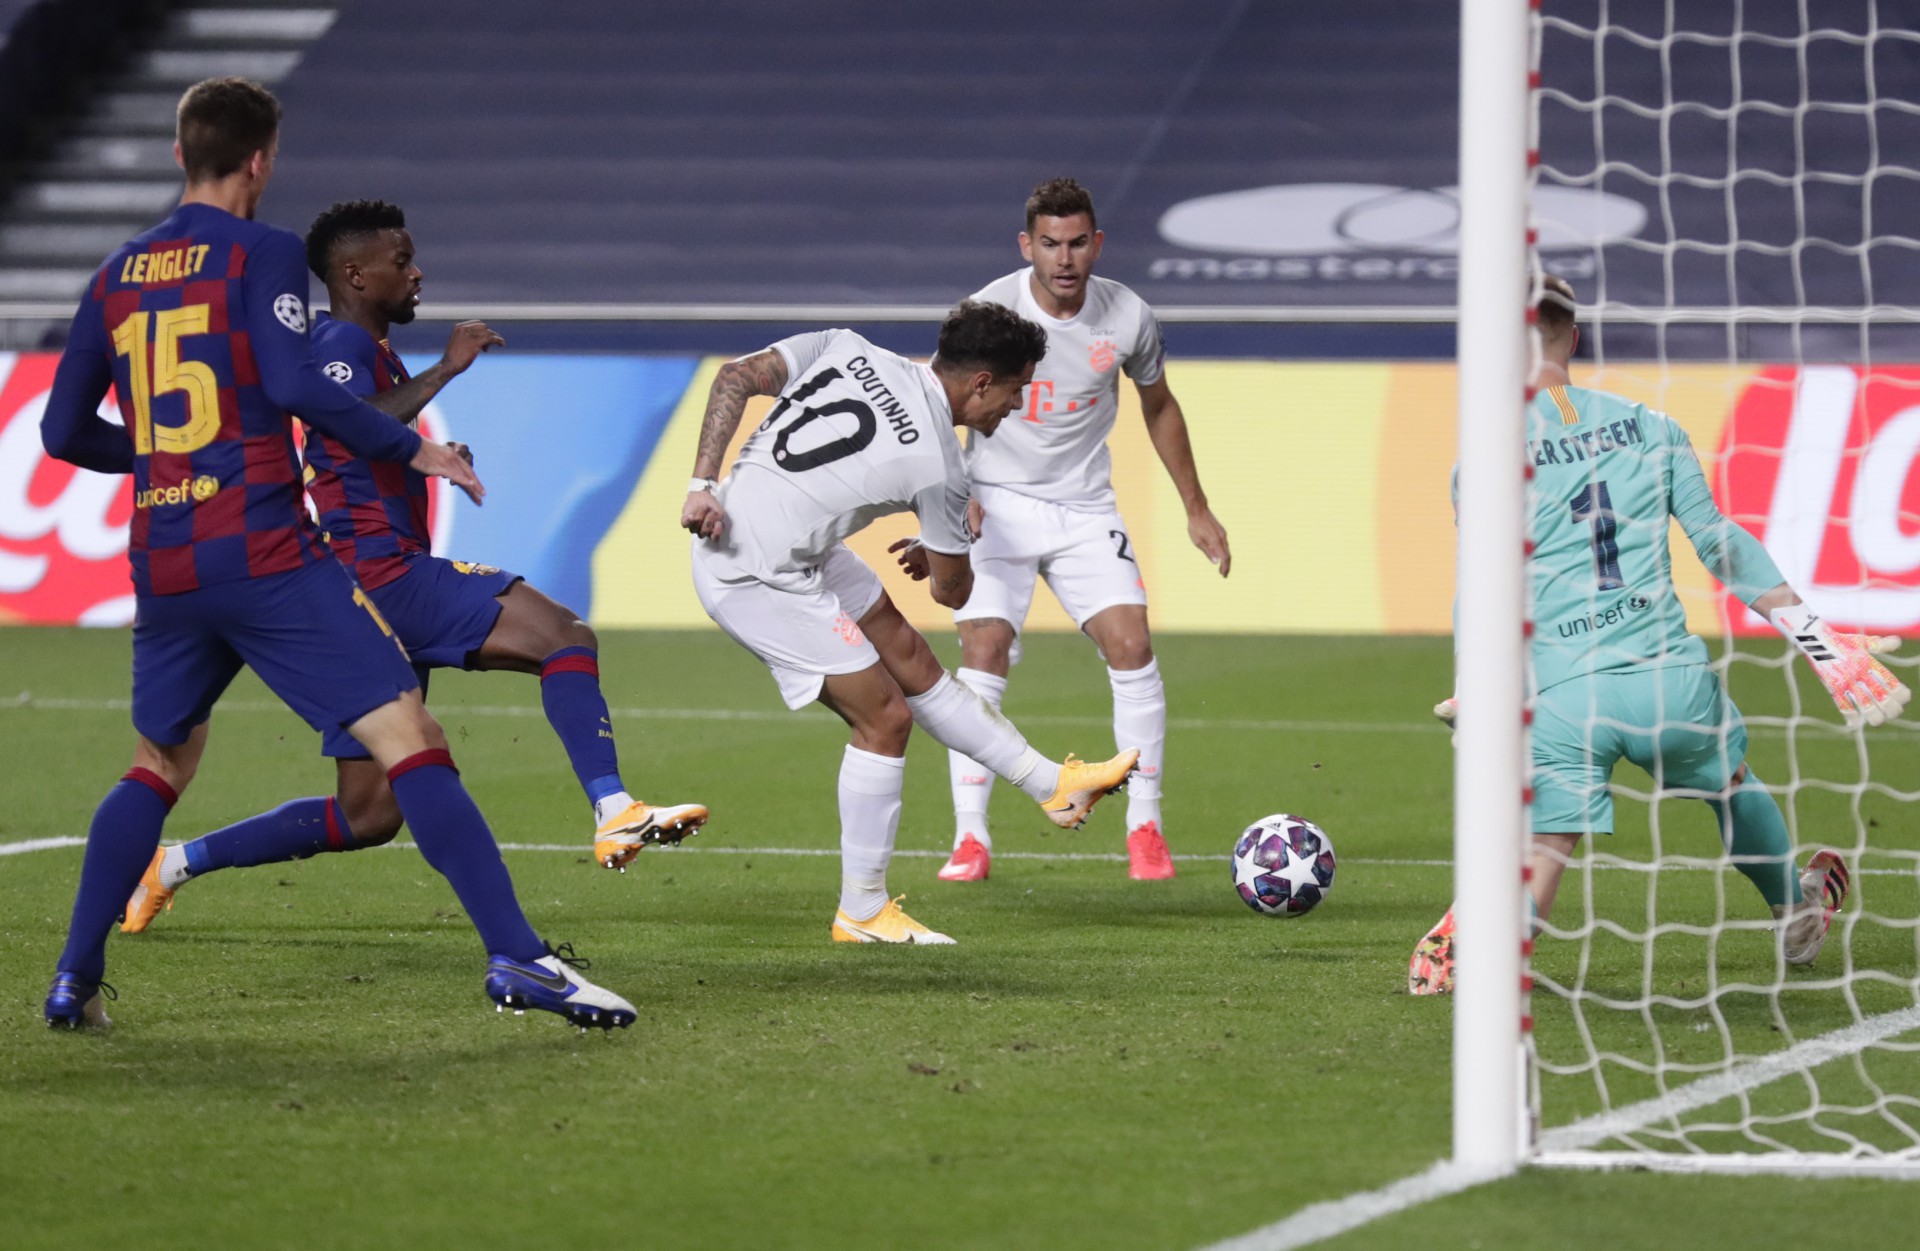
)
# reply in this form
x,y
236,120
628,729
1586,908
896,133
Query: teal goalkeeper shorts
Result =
x,y
1676,723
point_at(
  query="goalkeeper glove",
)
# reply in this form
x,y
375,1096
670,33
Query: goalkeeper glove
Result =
x,y
1862,688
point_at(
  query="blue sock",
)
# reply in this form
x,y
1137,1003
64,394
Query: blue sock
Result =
x,y
570,691
455,840
295,830
120,845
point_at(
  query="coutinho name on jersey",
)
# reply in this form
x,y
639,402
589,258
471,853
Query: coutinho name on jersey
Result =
x,y
896,413
1586,445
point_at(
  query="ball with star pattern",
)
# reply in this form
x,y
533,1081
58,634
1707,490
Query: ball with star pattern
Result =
x,y
1283,866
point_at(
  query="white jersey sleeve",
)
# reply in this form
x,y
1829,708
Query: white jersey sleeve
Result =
x,y
802,350
942,509
1054,447
1146,363
857,433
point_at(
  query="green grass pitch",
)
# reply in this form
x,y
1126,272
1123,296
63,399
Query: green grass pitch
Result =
x,y
303,1056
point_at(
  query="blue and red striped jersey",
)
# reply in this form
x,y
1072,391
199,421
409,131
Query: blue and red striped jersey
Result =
x,y
200,327
374,512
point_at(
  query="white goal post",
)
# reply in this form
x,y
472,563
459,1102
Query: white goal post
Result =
x,y
1488,810
1745,263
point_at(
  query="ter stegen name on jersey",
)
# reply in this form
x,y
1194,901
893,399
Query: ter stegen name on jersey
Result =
x,y
1586,444
1608,475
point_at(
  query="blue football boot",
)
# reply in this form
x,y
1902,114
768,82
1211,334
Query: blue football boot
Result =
x,y
73,1002
553,984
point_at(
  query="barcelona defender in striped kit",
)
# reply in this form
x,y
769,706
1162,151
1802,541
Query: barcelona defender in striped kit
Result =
x,y
447,613
200,327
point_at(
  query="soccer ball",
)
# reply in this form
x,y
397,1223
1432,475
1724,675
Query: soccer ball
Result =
x,y
1283,866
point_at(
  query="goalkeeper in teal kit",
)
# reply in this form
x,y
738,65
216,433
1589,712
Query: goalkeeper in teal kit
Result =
x,y
1615,672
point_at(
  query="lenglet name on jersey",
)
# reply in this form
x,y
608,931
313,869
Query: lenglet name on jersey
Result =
x,y
1587,444
167,265
892,409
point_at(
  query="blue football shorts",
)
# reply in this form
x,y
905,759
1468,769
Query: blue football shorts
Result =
x,y
311,634
442,611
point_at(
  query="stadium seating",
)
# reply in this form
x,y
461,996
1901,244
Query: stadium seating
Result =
x,y
730,153
45,45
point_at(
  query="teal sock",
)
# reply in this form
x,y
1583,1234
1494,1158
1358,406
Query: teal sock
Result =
x,y
1760,844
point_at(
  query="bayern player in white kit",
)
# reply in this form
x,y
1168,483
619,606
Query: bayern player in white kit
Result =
x,y
1045,508
860,433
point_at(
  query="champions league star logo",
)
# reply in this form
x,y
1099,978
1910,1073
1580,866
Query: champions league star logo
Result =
x,y
291,312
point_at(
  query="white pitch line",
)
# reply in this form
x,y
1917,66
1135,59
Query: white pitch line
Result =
x,y
1337,1216
1811,1053
39,844
1327,1220
28,702
1110,857
1757,727
582,848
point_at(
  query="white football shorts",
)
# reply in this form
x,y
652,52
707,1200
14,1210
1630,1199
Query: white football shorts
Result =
x,y
804,636
1086,558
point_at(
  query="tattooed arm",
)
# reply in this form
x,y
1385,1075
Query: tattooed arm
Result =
x,y
763,373
952,578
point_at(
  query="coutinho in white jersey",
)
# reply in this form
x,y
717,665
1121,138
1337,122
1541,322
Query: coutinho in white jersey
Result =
x,y
1055,448
859,433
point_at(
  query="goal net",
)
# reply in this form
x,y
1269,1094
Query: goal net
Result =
x,y
1730,187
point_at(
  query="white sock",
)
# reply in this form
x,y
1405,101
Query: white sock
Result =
x,y
870,788
972,783
173,867
1140,720
611,806
960,720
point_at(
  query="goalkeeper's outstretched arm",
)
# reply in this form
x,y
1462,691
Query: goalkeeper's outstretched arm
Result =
x,y
1863,689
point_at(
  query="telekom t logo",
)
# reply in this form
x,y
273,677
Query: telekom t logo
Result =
x,y
1040,402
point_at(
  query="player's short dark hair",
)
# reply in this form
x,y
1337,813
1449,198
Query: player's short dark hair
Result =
x,y
349,219
978,335
221,122
1059,197
1556,306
